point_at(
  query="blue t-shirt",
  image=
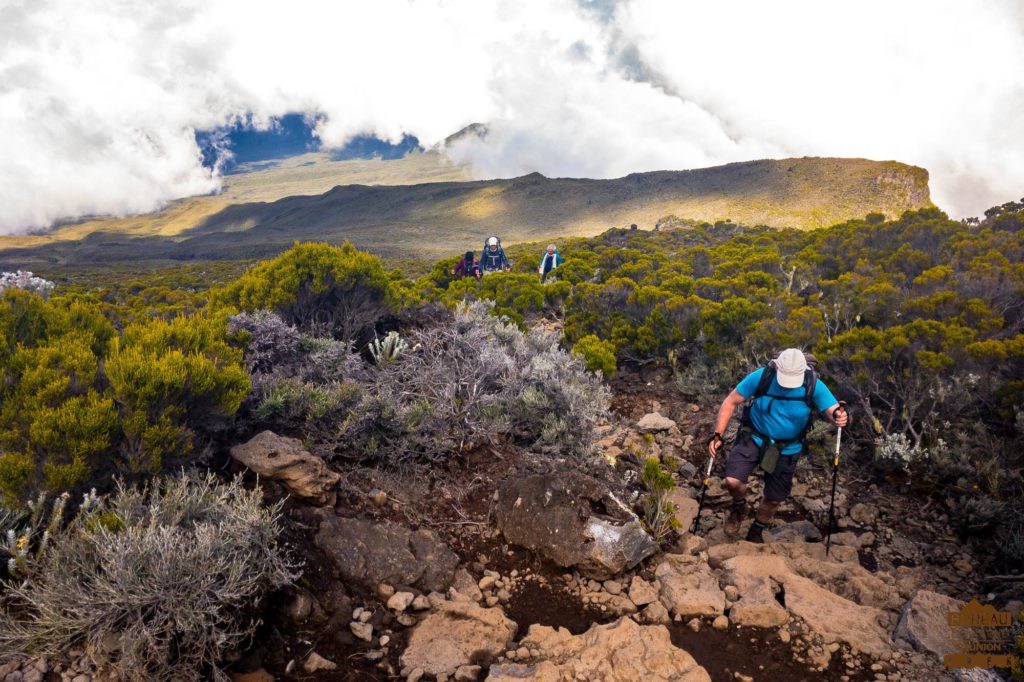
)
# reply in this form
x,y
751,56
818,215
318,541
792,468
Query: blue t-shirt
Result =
x,y
782,419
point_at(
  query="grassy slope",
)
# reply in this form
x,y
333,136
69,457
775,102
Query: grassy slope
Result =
x,y
306,174
380,213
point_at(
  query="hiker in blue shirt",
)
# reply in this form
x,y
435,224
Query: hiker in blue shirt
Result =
x,y
549,261
782,400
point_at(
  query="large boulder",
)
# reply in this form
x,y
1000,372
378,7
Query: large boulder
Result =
x,y
283,459
688,588
617,652
574,520
757,606
833,617
459,633
924,625
369,553
837,619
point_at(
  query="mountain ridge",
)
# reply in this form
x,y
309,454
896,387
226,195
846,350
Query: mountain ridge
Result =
x,y
436,218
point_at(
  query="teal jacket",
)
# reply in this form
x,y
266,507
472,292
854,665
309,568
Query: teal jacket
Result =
x,y
549,262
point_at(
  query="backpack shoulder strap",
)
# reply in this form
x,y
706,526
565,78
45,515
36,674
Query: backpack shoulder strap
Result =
x,y
765,382
810,383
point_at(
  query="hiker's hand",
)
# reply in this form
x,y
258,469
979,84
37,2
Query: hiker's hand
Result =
x,y
714,443
840,417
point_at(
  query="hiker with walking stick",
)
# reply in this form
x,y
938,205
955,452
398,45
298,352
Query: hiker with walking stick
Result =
x,y
779,401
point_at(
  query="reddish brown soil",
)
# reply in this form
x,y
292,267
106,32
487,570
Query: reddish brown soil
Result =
x,y
753,652
549,605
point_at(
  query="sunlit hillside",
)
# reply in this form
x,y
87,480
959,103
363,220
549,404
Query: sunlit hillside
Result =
x,y
422,207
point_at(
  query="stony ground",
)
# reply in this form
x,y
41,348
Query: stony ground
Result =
x,y
512,566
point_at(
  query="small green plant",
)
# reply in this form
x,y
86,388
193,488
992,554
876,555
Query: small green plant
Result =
x,y
659,513
598,355
390,349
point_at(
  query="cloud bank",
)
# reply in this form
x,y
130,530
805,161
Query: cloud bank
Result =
x,y
100,99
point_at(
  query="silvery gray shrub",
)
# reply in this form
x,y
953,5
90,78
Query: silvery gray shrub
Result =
x,y
27,281
472,379
158,583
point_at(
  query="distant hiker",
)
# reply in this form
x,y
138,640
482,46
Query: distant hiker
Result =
x,y
467,267
493,259
549,261
782,399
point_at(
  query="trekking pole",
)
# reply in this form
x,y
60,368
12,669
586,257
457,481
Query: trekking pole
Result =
x,y
835,475
703,493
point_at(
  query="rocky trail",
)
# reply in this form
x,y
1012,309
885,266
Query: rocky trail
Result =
x,y
514,566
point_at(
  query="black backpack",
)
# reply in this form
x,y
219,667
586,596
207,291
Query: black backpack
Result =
x,y
765,384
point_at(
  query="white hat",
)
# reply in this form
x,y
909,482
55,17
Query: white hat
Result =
x,y
493,241
790,367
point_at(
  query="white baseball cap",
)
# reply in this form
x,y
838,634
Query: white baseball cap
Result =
x,y
493,241
790,367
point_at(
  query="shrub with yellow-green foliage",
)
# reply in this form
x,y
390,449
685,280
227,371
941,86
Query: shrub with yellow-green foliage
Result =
x,y
514,295
598,355
56,423
319,288
78,400
166,375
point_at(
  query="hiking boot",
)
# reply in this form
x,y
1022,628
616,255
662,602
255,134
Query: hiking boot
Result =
x,y
736,516
756,528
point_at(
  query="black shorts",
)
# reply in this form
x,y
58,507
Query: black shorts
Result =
x,y
745,454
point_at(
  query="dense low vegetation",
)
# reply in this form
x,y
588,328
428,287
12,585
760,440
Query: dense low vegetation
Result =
x,y
464,380
86,394
918,322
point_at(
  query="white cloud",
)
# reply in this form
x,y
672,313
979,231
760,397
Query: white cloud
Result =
x,y
99,99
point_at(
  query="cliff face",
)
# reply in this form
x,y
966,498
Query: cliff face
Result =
x,y
433,219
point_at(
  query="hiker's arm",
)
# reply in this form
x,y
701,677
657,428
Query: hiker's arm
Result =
x,y
729,405
837,413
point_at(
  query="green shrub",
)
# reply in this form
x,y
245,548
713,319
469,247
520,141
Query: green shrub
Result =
x,y
167,376
321,289
598,355
159,583
57,425
514,295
